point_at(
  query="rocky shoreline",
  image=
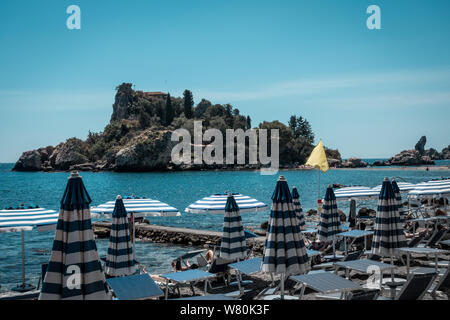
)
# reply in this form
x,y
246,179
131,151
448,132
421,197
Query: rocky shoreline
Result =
x,y
63,158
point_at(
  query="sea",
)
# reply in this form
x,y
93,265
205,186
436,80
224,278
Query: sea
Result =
x,y
178,189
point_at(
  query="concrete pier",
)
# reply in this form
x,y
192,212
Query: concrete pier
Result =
x,y
178,236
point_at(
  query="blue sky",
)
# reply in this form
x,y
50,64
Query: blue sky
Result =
x,y
370,93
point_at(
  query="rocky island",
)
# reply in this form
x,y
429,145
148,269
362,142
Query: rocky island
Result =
x,y
138,138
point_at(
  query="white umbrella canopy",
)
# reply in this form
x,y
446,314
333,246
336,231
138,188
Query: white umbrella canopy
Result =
x,y
402,186
356,192
430,189
140,207
26,219
215,204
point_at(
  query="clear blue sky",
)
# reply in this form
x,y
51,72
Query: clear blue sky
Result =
x,y
370,93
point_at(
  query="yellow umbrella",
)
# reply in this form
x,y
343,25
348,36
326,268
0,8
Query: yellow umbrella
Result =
x,y
318,159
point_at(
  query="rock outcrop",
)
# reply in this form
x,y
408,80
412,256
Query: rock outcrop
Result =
x,y
148,151
34,160
445,154
410,158
353,163
418,156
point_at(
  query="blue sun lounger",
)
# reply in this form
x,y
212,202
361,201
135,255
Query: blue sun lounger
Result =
x,y
218,296
187,277
135,287
244,267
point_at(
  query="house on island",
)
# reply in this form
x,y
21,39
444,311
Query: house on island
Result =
x,y
155,94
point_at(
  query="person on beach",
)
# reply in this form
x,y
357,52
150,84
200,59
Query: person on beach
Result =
x,y
209,256
177,266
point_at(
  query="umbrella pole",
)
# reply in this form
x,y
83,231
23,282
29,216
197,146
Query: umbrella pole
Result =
x,y
392,269
282,287
23,259
334,247
134,235
318,188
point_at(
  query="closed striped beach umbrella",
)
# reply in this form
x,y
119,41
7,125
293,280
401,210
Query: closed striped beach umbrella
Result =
x,y
285,251
398,197
21,219
120,257
329,224
74,271
233,245
388,230
215,204
298,208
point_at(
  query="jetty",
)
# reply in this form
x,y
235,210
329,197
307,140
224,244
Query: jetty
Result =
x,y
179,236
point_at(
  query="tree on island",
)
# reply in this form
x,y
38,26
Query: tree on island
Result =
x,y
169,111
188,103
249,122
301,128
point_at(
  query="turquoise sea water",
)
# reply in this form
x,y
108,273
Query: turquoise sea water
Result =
x,y
178,189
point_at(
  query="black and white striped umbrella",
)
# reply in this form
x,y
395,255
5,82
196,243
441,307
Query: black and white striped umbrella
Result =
x,y
285,251
431,189
329,224
120,257
398,197
233,245
215,204
388,231
298,208
25,219
74,271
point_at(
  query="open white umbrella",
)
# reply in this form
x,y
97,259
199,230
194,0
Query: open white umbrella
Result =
x,y
21,219
215,204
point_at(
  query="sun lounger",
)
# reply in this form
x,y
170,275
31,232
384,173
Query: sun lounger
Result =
x,y
188,277
349,257
365,266
245,267
415,288
415,241
355,235
135,287
434,239
189,255
357,295
218,296
424,251
442,279
324,282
